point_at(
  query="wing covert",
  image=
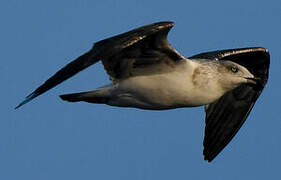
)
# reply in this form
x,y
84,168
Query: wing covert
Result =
x,y
142,48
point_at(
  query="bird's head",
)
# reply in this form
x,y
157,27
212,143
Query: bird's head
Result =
x,y
233,74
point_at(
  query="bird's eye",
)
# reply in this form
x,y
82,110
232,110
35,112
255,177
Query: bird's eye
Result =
x,y
234,69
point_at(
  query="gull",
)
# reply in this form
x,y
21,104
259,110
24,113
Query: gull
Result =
x,y
148,73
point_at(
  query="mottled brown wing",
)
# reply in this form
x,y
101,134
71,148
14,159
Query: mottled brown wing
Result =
x,y
148,41
226,116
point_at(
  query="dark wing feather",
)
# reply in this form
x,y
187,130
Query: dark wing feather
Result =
x,y
226,116
141,48
63,74
154,34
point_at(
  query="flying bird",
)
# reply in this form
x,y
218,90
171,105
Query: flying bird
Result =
x,y
148,73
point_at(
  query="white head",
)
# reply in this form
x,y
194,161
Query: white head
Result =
x,y
232,75
220,76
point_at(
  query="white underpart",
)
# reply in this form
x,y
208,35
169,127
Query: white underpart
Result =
x,y
164,91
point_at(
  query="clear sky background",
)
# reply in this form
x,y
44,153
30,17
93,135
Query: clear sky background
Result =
x,y
51,139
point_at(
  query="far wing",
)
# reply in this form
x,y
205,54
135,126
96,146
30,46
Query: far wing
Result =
x,y
138,52
226,116
154,35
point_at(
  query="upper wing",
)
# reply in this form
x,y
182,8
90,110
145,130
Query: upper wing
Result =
x,y
140,51
225,116
148,41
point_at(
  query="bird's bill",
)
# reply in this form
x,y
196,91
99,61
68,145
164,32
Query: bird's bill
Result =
x,y
252,80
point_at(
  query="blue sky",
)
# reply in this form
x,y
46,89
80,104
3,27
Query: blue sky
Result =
x,y
51,139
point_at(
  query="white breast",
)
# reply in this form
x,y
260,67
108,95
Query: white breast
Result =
x,y
164,91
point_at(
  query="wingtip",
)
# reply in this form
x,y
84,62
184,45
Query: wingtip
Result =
x,y
27,99
20,104
207,159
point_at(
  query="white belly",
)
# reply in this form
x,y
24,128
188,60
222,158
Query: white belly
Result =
x,y
162,91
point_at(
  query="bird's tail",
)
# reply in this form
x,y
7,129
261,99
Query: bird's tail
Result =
x,y
100,96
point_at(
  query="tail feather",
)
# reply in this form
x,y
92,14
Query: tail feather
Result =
x,y
72,97
97,96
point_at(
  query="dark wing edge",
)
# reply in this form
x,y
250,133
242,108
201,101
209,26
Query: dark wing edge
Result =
x,y
63,74
103,49
120,42
136,49
225,117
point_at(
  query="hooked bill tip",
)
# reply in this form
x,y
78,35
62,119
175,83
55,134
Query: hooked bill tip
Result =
x,y
257,83
253,80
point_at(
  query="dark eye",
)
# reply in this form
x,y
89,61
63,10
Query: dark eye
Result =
x,y
234,69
